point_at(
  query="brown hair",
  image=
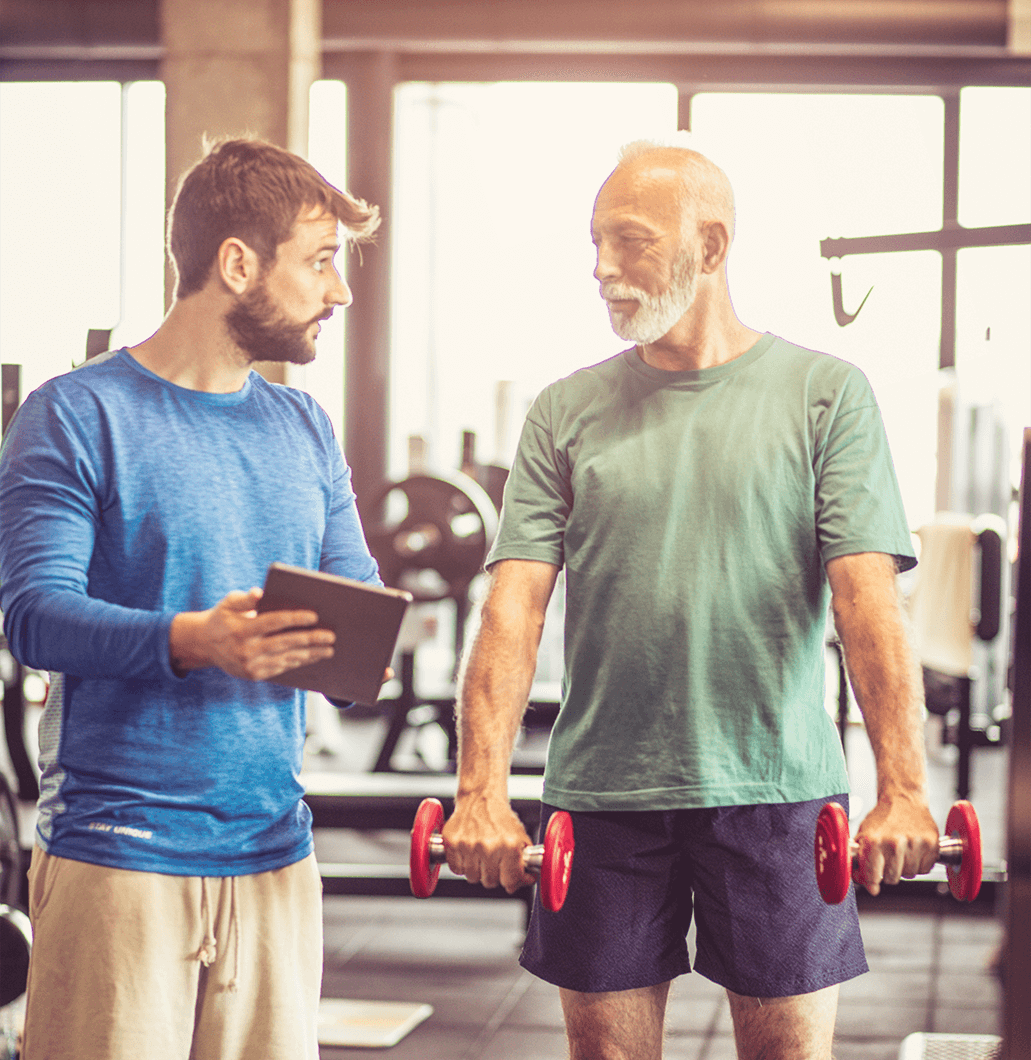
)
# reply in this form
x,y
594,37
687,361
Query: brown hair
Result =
x,y
252,190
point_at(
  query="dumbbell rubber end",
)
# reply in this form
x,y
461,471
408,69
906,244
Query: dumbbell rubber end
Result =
x,y
831,853
962,824
557,865
422,874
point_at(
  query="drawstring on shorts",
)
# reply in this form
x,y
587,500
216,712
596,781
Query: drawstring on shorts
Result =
x,y
234,920
209,947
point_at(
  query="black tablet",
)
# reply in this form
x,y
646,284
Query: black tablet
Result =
x,y
365,618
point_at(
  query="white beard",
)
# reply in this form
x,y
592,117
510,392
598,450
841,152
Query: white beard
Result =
x,y
655,314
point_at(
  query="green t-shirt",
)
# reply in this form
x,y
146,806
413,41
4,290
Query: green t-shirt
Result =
x,y
694,513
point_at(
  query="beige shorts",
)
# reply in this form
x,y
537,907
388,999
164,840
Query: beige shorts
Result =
x,y
127,965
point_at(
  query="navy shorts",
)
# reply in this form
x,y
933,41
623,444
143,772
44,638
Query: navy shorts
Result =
x,y
745,873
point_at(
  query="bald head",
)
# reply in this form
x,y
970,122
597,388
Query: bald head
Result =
x,y
701,189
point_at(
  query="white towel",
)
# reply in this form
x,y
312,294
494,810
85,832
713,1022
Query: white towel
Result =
x,y
940,603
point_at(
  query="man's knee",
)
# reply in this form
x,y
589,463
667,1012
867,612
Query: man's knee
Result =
x,y
616,1025
785,1028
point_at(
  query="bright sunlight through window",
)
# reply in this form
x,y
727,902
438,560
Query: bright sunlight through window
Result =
x,y
493,294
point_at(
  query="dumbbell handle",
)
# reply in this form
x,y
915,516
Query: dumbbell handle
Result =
x,y
959,851
550,862
533,856
950,850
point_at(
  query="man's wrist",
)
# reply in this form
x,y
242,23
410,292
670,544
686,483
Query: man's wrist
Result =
x,y
184,652
915,792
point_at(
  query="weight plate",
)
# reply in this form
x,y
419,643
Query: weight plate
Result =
x,y
10,847
833,864
422,874
558,861
432,534
15,949
962,824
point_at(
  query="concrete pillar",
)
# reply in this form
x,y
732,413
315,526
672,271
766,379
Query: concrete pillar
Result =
x,y
236,67
1018,18
370,95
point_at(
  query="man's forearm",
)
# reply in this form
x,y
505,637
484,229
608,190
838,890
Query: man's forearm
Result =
x,y
494,690
898,837
890,697
497,675
80,635
886,680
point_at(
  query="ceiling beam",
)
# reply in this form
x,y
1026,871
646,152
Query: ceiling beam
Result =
x,y
572,22
859,44
714,69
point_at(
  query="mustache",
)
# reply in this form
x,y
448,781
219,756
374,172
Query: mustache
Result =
x,y
618,292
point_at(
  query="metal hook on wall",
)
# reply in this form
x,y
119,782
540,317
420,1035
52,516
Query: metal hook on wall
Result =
x,y
843,319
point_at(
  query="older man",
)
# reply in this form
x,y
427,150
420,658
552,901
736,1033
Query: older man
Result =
x,y
707,491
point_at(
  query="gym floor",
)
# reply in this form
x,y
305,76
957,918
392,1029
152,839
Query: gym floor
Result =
x,y
931,958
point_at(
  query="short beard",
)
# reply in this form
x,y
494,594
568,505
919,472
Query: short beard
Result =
x,y
264,334
655,315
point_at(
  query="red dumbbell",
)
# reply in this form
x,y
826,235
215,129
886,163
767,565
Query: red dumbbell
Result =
x,y
959,850
551,862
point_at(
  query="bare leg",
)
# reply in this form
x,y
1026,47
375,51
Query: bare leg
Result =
x,y
619,1025
785,1028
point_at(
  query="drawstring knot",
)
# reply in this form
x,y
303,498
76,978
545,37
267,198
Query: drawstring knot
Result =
x,y
208,951
209,947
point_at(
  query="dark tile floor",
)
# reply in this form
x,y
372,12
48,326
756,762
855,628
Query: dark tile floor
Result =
x,y
930,957
929,972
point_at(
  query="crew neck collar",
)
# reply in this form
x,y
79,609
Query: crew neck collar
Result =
x,y
234,397
701,376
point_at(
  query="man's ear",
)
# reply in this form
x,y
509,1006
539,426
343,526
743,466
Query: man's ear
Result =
x,y
238,265
715,245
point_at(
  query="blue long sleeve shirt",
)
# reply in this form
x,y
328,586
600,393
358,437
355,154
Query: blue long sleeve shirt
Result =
x,y
125,499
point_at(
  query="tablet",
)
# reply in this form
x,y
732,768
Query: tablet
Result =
x,y
365,618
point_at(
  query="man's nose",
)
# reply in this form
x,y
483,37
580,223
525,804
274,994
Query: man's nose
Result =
x,y
340,293
607,267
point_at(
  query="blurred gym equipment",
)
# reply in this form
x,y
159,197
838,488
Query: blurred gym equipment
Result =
x,y
957,611
15,930
431,538
433,534
1017,947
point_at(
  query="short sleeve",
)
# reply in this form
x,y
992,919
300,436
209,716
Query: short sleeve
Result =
x,y
538,495
858,502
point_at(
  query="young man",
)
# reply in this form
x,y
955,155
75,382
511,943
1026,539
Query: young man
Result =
x,y
707,491
175,900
